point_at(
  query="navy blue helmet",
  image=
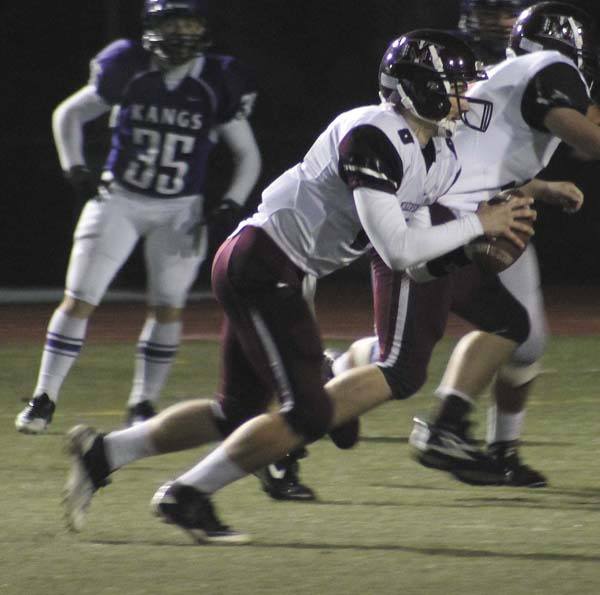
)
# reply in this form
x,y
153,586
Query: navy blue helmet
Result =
x,y
175,44
488,23
421,70
562,27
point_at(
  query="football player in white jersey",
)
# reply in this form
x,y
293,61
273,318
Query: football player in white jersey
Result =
x,y
373,169
540,98
172,100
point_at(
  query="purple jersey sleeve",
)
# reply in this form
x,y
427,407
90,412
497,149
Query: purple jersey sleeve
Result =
x,y
237,85
112,68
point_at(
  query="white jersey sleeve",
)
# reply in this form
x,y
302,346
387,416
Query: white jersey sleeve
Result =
x,y
312,210
68,120
400,246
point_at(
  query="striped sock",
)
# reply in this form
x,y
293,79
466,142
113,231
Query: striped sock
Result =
x,y
64,340
156,350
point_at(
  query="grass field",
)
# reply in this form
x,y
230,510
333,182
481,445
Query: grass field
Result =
x,y
382,523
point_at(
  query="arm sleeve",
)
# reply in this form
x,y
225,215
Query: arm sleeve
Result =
x,y
238,136
398,245
557,85
421,218
68,120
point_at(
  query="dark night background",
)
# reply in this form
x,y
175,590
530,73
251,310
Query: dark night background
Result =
x,y
313,60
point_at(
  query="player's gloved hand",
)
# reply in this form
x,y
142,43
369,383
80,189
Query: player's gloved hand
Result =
x,y
440,266
83,182
225,216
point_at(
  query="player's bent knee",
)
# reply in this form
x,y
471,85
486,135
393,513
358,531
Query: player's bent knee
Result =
x,y
364,351
165,314
230,414
76,308
311,423
518,326
517,375
404,383
532,349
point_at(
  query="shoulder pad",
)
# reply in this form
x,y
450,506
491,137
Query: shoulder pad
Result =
x,y
114,66
369,159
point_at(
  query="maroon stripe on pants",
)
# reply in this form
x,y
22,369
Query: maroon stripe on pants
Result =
x,y
386,293
271,343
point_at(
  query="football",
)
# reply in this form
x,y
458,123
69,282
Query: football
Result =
x,y
494,255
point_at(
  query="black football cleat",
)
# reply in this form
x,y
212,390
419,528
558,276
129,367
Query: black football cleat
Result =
x,y
88,473
455,451
139,413
193,511
36,417
503,467
515,472
281,481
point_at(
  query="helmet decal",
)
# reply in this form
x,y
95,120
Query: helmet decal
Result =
x,y
561,27
422,70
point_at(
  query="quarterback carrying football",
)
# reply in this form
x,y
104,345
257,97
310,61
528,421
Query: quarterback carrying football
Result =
x,y
369,172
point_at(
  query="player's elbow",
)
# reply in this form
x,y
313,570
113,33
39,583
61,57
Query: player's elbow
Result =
x,y
248,158
398,261
64,114
587,145
590,152
255,160
59,115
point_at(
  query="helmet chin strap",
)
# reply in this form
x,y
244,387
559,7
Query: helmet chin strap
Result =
x,y
444,127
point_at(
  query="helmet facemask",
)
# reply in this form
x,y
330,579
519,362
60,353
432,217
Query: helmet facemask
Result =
x,y
174,37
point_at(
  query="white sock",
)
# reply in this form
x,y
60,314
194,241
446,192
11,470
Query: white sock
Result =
x,y
213,472
502,426
64,340
156,350
125,446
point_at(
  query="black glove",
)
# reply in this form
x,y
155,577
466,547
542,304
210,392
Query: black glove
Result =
x,y
440,266
225,216
222,220
83,182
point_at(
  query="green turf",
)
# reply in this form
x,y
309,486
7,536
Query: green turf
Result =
x,y
382,524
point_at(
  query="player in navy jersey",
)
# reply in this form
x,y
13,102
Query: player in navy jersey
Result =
x,y
365,182
540,98
172,100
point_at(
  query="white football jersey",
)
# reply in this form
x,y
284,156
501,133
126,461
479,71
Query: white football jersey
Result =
x,y
510,152
309,211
